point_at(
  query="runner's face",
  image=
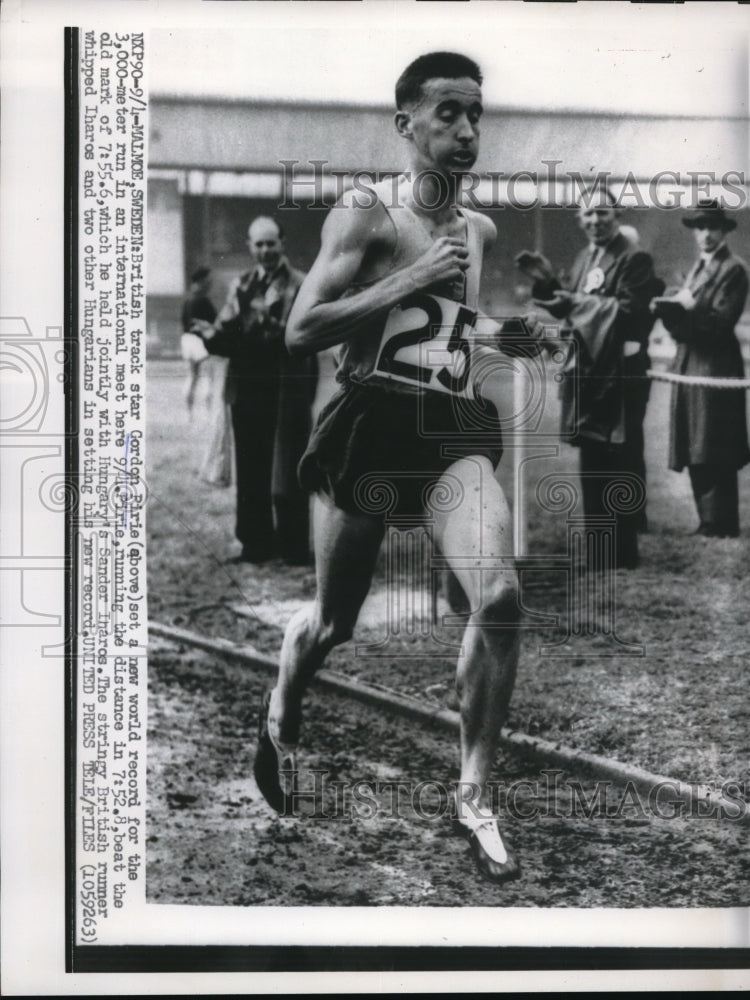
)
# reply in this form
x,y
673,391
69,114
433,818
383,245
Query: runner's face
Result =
x,y
599,223
708,239
265,244
445,125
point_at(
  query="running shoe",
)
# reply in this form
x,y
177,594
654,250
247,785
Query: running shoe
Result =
x,y
493,857
275,766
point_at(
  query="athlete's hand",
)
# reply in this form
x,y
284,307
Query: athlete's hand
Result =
x,y
524,336
446,260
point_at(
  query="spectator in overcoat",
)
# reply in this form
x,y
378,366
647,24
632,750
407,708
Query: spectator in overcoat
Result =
x,y
708,427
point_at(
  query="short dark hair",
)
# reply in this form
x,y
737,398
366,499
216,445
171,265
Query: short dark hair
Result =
x,y
450,65
200,274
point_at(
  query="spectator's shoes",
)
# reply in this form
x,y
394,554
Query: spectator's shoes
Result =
x,y
251,554
275,766
710,531
494,859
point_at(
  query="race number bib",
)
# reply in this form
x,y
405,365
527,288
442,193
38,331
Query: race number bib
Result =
x,y
425,343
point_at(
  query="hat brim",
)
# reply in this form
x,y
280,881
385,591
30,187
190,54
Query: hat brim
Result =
x,y
705,222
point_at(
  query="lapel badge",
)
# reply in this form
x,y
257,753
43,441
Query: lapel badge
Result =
x,y
594,280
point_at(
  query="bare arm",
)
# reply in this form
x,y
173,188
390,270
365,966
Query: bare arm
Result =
x,y
321,318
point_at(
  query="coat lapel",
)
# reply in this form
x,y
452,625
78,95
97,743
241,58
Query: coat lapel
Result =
x,y
613,252
579,266
710,276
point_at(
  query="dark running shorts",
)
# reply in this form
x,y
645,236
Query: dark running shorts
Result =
x,y
378,452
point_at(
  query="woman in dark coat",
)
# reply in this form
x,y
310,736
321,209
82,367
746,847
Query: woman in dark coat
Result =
x,y
709,425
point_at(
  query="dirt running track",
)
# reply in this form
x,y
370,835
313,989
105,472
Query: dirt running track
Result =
x,y
213,840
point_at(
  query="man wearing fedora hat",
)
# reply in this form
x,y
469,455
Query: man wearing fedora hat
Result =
x,y
708,432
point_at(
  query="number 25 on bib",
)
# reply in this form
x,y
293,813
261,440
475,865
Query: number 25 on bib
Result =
x,y
425,344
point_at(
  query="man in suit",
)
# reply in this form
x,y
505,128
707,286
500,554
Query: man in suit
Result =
x,y
270,394
605,389
708,431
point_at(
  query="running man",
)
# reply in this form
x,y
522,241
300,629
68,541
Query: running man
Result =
x,y
410,237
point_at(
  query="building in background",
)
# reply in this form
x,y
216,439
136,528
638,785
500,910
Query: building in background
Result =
x,y
215,164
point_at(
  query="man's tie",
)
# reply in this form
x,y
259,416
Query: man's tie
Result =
x,y
696,273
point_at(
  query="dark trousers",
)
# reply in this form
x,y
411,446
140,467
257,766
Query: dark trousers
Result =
x,y
603,487
266,525
606,491
716,498
254,426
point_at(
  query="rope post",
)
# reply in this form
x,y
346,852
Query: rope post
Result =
x,y
520,524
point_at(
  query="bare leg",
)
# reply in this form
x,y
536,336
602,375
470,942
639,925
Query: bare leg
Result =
x,y
346,548
216,467
191,380
480,529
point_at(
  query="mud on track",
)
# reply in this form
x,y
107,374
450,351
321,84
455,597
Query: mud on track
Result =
x,y
213,840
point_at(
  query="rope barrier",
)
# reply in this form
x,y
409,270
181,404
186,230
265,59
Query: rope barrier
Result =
x,y
705,381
